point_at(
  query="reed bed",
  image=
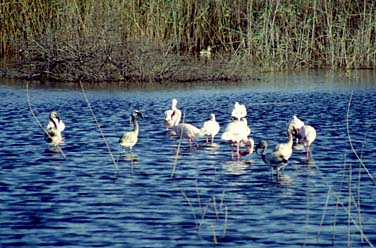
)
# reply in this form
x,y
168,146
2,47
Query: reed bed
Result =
x,y
152,40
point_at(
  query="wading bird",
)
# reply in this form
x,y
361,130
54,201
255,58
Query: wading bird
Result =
x,y
188,131
129,139
55,122
308,136
173,115
295,124
210,128
53,130
238,111
205,54
237,132
277,159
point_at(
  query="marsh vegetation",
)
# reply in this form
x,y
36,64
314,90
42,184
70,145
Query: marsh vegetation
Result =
x,y
99,40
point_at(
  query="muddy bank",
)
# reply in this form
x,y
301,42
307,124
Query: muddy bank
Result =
x,y
137,62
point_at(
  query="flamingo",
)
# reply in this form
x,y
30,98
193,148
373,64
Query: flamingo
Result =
x,y
188,131
237,132
173,115
129,139
210,128
55,122
277,159
54,129
296,124
238,111
308,136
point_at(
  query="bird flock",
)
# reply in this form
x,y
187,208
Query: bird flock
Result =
x,y
236,133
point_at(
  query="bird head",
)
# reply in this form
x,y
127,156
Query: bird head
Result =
x,y
136,113
54,114
262,144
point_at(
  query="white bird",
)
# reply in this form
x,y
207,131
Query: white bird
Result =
x,y
285,149
129,139
308,136
236,132
55,122
277,159
238,111
53,130
172,116
188,131
295,124
210,128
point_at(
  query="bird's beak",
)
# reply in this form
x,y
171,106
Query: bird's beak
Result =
x,y
141,115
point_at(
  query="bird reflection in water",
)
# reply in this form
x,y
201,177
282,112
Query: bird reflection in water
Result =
x,y
237,167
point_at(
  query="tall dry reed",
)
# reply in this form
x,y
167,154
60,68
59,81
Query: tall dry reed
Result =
x,y
267,34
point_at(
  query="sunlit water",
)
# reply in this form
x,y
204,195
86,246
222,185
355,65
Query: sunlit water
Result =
x,y
80,200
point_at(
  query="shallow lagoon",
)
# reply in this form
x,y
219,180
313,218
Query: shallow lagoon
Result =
x,y
49,200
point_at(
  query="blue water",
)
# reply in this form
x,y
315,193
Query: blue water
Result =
x,y
82,200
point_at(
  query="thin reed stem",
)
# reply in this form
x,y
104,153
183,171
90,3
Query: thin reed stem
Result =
x,y
214,235
37,121
349,207
324,212
190,205
351,144
100,129
226,221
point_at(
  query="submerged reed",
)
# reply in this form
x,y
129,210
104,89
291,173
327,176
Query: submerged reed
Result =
x,y
218,211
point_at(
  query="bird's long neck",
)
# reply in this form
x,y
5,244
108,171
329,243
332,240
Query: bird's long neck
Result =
x,y
135,124
289,135
54,122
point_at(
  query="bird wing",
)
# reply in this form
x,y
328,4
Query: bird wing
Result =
x,y
308,134
128,138
282,152
210,128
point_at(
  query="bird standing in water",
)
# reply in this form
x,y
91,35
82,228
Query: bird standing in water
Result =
x,y
172,116
188,131
54,129
304,134
277,159
308,135
129,139
210,128
295,125
237,132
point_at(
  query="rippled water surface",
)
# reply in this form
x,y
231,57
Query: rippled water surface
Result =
x,y
81,200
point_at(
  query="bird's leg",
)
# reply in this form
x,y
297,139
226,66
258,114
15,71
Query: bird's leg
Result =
x,y
237,150
212,139
307,152
207,141
195,142
232,151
